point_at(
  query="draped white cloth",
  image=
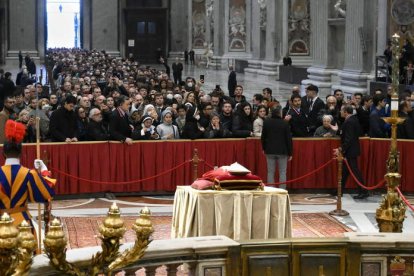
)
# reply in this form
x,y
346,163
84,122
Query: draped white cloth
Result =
x,y
239,215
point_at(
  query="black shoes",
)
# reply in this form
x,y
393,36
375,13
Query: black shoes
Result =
x,y
361,196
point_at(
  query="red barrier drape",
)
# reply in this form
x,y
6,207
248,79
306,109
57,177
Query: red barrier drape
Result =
x,y
114,162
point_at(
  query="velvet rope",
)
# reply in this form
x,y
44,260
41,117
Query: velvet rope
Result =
x,y
120,182
404,199
208,164
359,183
303,176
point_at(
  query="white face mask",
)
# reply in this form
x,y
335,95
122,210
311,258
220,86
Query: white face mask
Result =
x,y
197,117
170,96
190,84
46,107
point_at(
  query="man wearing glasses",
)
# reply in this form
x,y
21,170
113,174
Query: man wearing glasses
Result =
x,y
96,130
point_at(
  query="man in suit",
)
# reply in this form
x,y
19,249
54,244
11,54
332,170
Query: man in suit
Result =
x,y
297,118
277,144
312,105
120,128
177,68
350,132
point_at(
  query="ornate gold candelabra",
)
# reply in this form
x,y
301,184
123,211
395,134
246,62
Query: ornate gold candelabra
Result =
x,y
16,248
391,213
109,259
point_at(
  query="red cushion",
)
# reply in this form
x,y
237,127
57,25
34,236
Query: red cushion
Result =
x,y
238,182
211,175
202,184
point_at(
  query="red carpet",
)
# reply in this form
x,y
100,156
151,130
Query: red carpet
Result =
x,y
83,231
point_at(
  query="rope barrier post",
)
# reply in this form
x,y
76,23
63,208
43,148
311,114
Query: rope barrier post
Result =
x,y
339,211
48,204
195,161
39,207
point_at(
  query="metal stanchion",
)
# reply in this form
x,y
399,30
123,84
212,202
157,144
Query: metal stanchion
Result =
x,y
195,161
339,211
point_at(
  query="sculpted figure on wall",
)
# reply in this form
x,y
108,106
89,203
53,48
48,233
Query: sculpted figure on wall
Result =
x,y
299,27
198,24
237,29
263,11
210,14
402,11
208,53
340,8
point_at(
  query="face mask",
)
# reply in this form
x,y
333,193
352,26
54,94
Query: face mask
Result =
x,y
46,107
190,84
170,96
197,117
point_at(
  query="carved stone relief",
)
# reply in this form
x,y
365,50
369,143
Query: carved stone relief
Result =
x,y
198,24
340,8
237,26
299,27
263,10
399,19
210,21
402,11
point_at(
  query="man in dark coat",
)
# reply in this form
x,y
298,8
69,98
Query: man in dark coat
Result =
x,y
350,132
96,130
277,144
232,81
119,125
63,123
297,118
177,68
312,105
191,55
7,88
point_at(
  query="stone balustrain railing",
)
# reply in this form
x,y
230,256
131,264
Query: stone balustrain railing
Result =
x,y
190,255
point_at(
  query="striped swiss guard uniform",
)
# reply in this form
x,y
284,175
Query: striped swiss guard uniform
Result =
x,y
18,185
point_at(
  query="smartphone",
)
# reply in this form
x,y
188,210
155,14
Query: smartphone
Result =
x,y
201,77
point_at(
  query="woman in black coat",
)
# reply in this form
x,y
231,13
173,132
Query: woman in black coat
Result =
x,y
192,129
243,121
215,128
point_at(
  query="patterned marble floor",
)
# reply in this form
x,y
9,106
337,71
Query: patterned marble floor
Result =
x,y
361,212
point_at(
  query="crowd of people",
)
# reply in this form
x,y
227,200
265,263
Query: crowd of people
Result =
x,y
96,97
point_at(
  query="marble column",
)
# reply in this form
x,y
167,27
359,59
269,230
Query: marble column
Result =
x,y
255,64
359,46
284,49
274,29
382,27
86,6
218,35
105,26
3,31
319,74
179,38
265,39
23,29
